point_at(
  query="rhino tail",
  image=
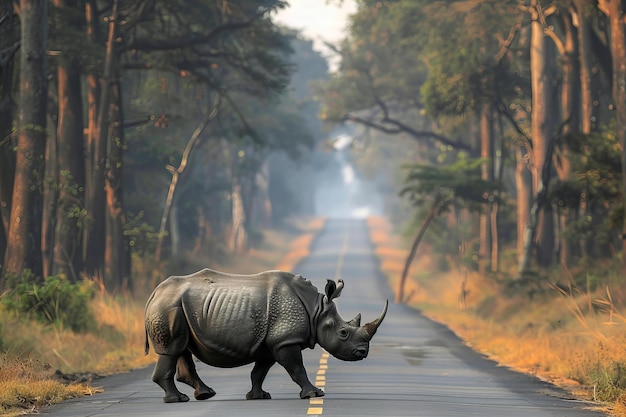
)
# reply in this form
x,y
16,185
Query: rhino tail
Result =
x,y
147,345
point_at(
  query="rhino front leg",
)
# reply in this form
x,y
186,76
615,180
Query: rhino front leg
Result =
x,y
259,372
290,357
163,375
186,373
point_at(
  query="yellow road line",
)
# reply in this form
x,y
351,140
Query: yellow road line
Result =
x,y
320,382
320,378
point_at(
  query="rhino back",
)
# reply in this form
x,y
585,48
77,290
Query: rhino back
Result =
x,y
231,317
227,317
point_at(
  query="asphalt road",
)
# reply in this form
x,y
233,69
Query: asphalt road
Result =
x,y
415,367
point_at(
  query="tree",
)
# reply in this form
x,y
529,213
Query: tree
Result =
x,y
178,171
9,46
457,184
24,233
69,178
615,9
540,230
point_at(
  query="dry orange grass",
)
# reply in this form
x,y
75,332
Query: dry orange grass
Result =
x,y
123,318
26,384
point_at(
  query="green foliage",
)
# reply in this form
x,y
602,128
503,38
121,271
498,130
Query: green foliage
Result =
x,y
460,181
463,56
55,301
142,237
594,192
382,62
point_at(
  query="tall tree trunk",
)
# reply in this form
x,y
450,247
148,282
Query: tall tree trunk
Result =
x,y
615,10
95,202
177,172
116,248
50,198
585,64
24,252
238,235
9,41
523,187
570,102
541,222
486,153
67,256
432,212
264,204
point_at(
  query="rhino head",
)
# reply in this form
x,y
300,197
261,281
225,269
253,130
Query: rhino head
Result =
x,y
345,340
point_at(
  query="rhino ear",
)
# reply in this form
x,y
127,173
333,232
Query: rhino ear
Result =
x,y
333,289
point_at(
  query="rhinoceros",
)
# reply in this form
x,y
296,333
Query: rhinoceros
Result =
x,y
228,320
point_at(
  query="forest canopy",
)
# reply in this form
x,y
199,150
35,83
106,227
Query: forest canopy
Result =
x,y
533,90
135,131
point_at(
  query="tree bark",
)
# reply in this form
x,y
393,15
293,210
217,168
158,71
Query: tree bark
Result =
x,y
238,235
570,102
541,68
8,41
95,199
523,187
487,171
432,212
116,247
50,198
67,256
176,172
584,59
615,10
24,252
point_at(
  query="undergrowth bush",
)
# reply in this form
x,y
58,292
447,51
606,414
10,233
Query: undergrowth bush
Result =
x,y
56,301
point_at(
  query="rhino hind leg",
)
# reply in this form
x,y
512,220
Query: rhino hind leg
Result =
x,y
290,357
163,375
186,373
259,372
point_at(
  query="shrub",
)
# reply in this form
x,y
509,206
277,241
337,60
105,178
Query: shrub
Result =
x,y
56,301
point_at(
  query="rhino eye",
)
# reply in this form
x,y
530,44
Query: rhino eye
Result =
x,y
343,333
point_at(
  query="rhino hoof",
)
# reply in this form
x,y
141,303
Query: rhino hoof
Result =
x,y
311,394
204,394
176,398
263,395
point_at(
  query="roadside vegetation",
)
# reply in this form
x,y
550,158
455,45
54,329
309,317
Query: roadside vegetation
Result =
x,y
158,136
572,336
503,128
49,358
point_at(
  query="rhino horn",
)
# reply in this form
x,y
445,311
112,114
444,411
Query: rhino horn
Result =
x,y
356,321
371,327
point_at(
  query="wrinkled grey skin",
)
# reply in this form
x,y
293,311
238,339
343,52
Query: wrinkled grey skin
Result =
x,y
228,320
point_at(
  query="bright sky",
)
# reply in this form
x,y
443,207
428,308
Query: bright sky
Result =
x,y
319,20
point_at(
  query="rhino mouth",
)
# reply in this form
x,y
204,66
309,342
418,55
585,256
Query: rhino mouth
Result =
x,y
359,353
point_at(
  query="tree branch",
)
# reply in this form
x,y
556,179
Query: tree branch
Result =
x,y
180,42
502,109
506,44
176,173
403,128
